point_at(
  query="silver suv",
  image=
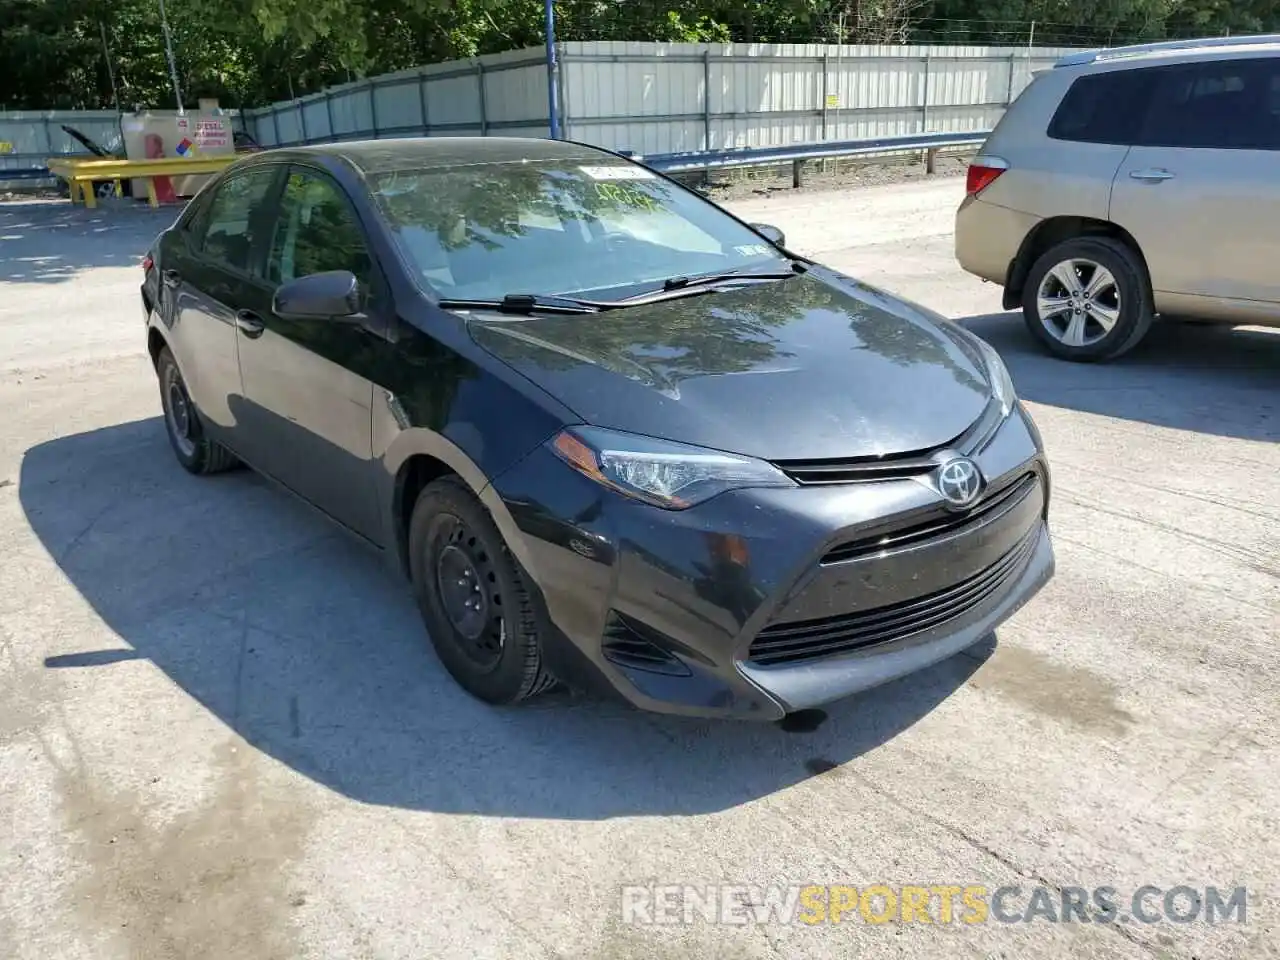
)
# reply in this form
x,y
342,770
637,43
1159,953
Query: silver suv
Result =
x,y
1132,182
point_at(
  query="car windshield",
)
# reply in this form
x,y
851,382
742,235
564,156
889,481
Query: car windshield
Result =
x,y
602,227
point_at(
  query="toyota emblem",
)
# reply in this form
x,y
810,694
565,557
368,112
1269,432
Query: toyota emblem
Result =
x,y
959,481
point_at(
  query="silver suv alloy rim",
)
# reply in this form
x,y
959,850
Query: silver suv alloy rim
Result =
x,y
1078,302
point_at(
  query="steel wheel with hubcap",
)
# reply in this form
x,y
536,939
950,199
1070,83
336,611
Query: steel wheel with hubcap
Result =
x,y
194,451
468,589
1088,299
479,613
179,417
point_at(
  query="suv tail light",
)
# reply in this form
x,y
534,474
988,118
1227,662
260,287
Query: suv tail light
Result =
x,y
983,172
147,263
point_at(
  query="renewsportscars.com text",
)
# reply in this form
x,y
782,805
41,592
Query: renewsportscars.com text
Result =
x,y
674,904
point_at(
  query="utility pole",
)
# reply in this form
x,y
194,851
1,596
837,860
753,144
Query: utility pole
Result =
x,y
168,51
111,73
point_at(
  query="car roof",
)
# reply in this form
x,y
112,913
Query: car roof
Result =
x,y
1165,51
421,153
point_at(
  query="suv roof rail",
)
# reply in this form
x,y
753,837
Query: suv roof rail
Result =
x,y
1203,43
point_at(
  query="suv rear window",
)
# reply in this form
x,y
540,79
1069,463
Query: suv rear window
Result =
x,y
1104,107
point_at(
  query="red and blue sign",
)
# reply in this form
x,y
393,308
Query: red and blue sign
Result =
x,y
184,147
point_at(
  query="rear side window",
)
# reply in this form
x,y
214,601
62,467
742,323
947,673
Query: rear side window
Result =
x,y
235,218
1222,104
1104,107
1226,105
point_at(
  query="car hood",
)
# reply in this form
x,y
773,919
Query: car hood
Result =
x,y
817,366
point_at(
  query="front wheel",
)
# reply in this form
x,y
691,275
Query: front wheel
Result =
x,y
1088,299
473,597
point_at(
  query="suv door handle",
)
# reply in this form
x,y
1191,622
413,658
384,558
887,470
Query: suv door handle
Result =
x,y
1151,175
250,323
171,278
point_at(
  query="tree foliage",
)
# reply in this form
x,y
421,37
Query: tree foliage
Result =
x,y
249,52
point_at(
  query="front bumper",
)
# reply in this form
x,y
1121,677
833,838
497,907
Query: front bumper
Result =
x,y
760,603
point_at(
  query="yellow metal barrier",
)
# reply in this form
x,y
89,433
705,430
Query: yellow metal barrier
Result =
x,y
82,174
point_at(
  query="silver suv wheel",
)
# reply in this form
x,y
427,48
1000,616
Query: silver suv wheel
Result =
x,y
1088,298
1078,302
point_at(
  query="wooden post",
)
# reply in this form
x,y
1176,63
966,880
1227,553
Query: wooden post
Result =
x,y
797,180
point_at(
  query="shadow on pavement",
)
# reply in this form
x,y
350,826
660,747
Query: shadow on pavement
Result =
x,y
1210,379
304,642
50,241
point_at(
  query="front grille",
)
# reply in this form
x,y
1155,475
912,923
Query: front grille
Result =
x,y
895,466
821,472
935,523
784,643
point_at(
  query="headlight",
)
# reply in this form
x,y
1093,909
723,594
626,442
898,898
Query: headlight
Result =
x,y
666,474
1001,382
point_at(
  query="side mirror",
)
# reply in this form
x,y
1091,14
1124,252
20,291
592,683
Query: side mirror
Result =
x,y
770,233
321,296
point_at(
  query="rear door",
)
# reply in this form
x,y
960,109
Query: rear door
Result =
x,y
311,413
206,269
1200,188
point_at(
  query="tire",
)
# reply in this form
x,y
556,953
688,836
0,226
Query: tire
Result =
x,y
196,453
1079,331
495,651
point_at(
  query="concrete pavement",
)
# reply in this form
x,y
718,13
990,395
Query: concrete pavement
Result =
x,y
222,733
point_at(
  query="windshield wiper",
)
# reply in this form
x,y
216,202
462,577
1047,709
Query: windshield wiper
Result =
x,y
527,303
699,280
672,288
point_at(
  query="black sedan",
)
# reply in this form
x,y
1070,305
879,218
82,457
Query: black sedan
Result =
x,y
611,434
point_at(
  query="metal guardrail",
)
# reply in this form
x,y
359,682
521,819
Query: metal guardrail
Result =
x,y
800,154
24,173
81,174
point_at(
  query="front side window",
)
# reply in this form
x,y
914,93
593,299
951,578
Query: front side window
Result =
x,y
234,219
316,231
602,227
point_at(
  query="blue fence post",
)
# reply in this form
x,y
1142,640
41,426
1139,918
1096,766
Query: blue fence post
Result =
x,y
553,95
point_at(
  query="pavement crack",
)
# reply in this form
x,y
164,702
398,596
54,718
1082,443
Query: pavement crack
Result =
x,y
239,688
459,878
1183,584
1220,547
1227,503
79,537
1003,859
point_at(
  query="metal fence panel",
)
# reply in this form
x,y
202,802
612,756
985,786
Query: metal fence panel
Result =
x,y
33,136
670,97
501,93
647,97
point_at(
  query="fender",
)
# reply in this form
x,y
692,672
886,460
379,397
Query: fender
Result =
x,y
396,442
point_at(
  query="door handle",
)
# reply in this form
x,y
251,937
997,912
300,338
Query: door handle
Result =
x,y
1150,175
250,323
171,278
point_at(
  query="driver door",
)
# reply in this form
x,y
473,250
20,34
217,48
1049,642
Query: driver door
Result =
x,y
311,413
